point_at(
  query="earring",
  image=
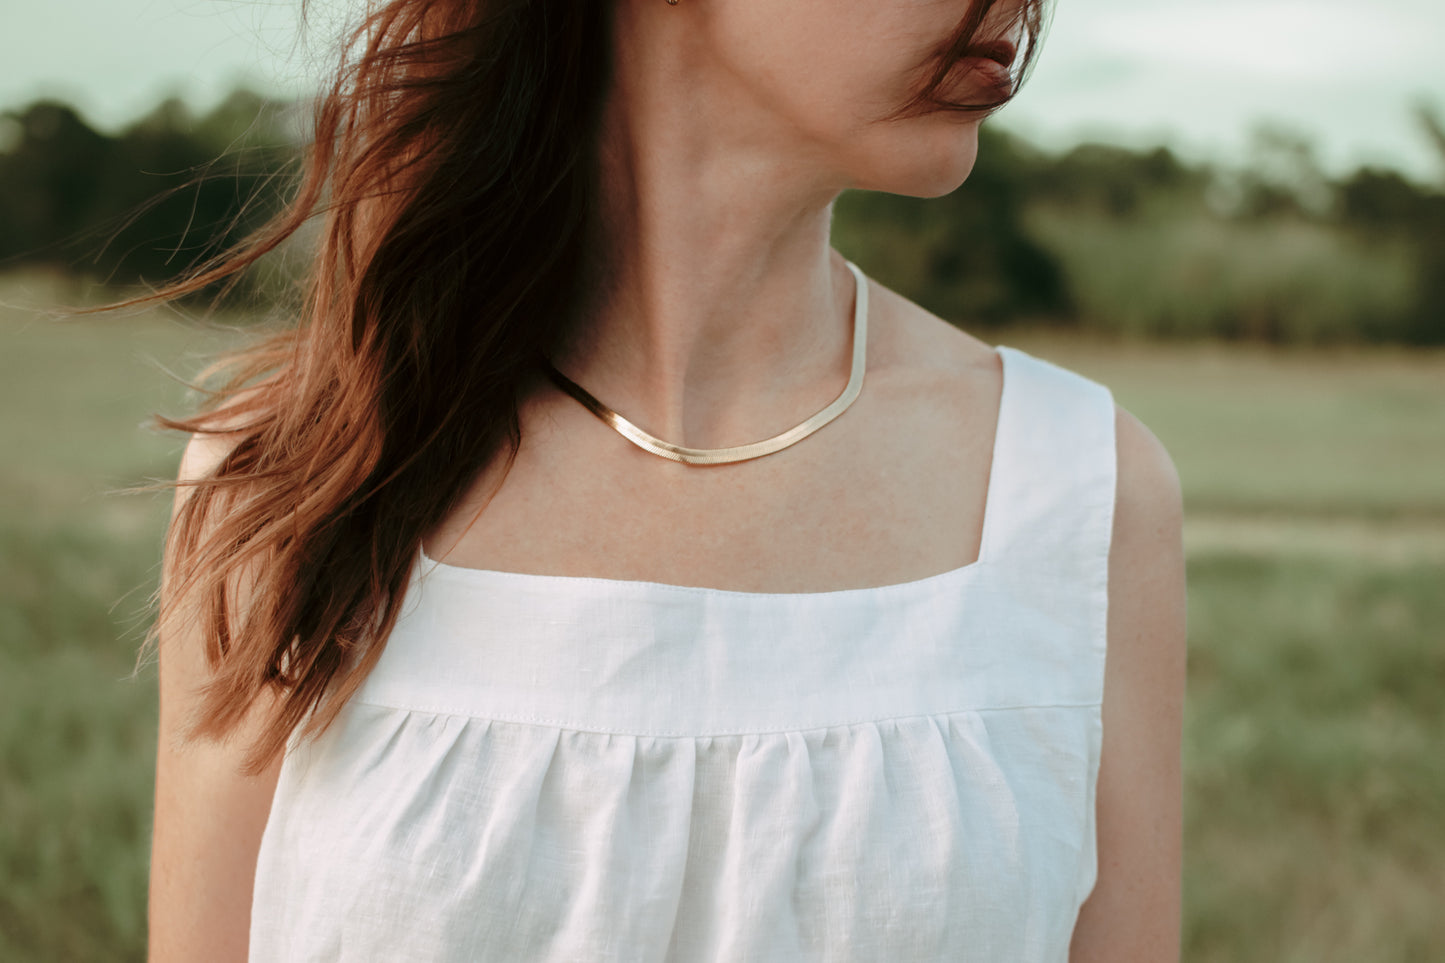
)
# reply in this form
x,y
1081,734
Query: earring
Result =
x,y
672,3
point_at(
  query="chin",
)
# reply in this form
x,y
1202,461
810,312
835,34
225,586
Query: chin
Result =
x,y
944,180
932,159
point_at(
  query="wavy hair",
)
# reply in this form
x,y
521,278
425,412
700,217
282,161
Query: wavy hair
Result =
x,y
453,167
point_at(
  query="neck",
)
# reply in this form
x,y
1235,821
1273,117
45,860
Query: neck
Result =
x,y
720,313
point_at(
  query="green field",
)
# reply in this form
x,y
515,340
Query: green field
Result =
x,y
1315,487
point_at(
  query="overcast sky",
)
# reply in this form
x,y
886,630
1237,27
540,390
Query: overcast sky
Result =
x,y
1195,74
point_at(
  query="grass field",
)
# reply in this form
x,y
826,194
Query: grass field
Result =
x,y
1315,784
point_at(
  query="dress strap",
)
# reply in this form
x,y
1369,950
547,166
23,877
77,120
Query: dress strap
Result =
x,y
1050,505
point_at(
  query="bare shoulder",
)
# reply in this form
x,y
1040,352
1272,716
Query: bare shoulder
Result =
x,y
209,814
1146,565
1149,506
206,450
910,345
912,340
906,332
1146,574
1133,912
203,454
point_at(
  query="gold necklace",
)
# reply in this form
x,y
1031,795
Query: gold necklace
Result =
x,y
723,456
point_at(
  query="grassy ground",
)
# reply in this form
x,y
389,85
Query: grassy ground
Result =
x,y
1316,492
77,566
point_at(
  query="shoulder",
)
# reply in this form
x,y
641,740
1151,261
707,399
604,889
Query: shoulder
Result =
x,y
902,332
225,427
203,455
1144,673
1146,614
1149,503
963,372
1133,911
926,360
912,344
206,451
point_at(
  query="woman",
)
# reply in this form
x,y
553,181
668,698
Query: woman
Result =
x,y
458,665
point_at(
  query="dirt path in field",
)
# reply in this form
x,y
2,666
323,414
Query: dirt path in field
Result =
x,y
1403,541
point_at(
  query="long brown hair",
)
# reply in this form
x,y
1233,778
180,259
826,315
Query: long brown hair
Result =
x,y
453,168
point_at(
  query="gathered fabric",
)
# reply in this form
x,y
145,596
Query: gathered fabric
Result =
x,y
553,768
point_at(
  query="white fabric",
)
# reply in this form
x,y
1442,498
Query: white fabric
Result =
x,y
549,768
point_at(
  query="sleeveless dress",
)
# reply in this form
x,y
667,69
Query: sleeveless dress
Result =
x,y
555,768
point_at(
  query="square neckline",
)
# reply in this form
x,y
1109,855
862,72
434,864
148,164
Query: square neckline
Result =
x,y
428,566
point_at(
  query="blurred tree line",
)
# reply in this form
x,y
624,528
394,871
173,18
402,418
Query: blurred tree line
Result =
x,y
140,206
1143,244
1136,243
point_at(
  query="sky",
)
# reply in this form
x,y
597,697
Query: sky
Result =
x,y
1196,75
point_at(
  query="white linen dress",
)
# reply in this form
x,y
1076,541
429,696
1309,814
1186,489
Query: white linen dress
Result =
x,y
552,768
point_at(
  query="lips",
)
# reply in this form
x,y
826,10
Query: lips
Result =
x,y
1000,51
986,66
